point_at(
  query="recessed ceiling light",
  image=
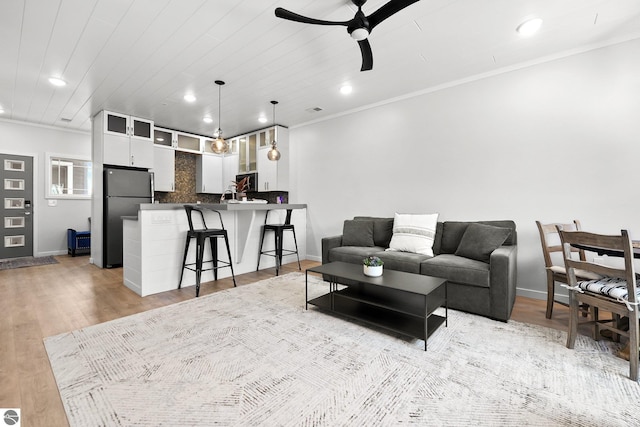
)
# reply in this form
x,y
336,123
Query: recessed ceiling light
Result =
x,y
190,97
529,27
207,119
346,89
57,81
262,119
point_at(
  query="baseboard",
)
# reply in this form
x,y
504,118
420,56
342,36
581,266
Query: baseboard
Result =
x,y
535,294
50,253
134,287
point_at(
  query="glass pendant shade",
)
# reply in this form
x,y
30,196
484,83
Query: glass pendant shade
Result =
x,y
273,153
219,145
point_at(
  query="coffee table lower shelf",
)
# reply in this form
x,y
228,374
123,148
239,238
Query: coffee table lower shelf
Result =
x,y
394,319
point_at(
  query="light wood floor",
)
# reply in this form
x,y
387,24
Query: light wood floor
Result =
x,y
38,302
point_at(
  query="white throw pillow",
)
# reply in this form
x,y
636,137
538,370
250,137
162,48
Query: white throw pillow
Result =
x,y
414,233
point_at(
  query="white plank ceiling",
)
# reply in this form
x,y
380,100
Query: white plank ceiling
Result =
x,y
141,56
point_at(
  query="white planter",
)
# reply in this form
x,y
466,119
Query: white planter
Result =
x,y
372,271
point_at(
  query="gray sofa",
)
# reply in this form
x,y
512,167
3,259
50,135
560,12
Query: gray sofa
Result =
x,y
480,269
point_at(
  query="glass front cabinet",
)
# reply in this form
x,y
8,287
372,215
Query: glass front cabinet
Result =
x,y
124,140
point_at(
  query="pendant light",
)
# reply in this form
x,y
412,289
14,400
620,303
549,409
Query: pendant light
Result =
x,y
273,153
219,145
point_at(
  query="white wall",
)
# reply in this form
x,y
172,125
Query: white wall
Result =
x,y
551,142
50,223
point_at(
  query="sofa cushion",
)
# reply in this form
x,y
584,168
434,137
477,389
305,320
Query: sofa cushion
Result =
x,y
452,232
414,233
382,229
402,261
357,233
457,269
512,238
352,254
479,240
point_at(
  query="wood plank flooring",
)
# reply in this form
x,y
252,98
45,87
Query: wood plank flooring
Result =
x,y
37,302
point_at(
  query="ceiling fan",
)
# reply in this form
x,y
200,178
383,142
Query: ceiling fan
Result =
x,y
359,27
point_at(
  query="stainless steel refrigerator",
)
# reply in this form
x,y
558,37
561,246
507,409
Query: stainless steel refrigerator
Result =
x,y
124,191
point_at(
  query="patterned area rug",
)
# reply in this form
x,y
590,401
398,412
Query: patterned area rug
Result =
x,y
253,356
7,264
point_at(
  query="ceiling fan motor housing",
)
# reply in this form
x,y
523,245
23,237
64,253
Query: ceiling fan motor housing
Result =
x,y
359,27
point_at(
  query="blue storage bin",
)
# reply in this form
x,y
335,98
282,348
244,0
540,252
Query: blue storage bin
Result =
x,y
78,242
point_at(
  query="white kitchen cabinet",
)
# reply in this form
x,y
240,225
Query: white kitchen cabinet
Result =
x,y
188,142
229,170
274,175
247,146
180,141
232,143
265,137
122,124
164,168
163,137
267,172
209,174
124,140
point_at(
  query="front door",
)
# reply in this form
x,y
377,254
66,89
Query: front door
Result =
x,y
16,196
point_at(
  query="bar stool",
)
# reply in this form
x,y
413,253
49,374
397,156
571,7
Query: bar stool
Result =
x,y
201,235
278,231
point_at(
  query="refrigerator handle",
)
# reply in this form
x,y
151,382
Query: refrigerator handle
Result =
x,y
152,187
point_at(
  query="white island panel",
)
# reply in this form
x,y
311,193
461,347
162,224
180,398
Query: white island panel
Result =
x,y
154,244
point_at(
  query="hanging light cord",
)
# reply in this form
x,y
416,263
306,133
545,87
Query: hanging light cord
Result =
x,y
219,83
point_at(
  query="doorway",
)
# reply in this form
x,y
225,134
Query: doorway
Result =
x,y
16,196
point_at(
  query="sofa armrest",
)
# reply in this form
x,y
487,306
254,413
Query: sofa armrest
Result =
x,y
502,277
329,243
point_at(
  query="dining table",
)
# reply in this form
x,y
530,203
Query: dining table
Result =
x,y
611,252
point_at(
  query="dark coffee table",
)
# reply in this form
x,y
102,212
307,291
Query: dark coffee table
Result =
x,y
398,301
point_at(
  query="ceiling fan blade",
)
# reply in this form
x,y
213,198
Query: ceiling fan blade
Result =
x,y
388,10
291,16
367,55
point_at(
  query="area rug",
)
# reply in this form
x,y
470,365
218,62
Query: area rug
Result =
x,y
8,264
253,355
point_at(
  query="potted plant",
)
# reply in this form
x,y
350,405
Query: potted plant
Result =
x,y
372,266
241,187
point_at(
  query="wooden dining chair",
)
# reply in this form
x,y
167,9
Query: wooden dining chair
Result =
x,y
615,291
554,266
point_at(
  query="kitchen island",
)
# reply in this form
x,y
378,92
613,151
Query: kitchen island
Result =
x,y
153,242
